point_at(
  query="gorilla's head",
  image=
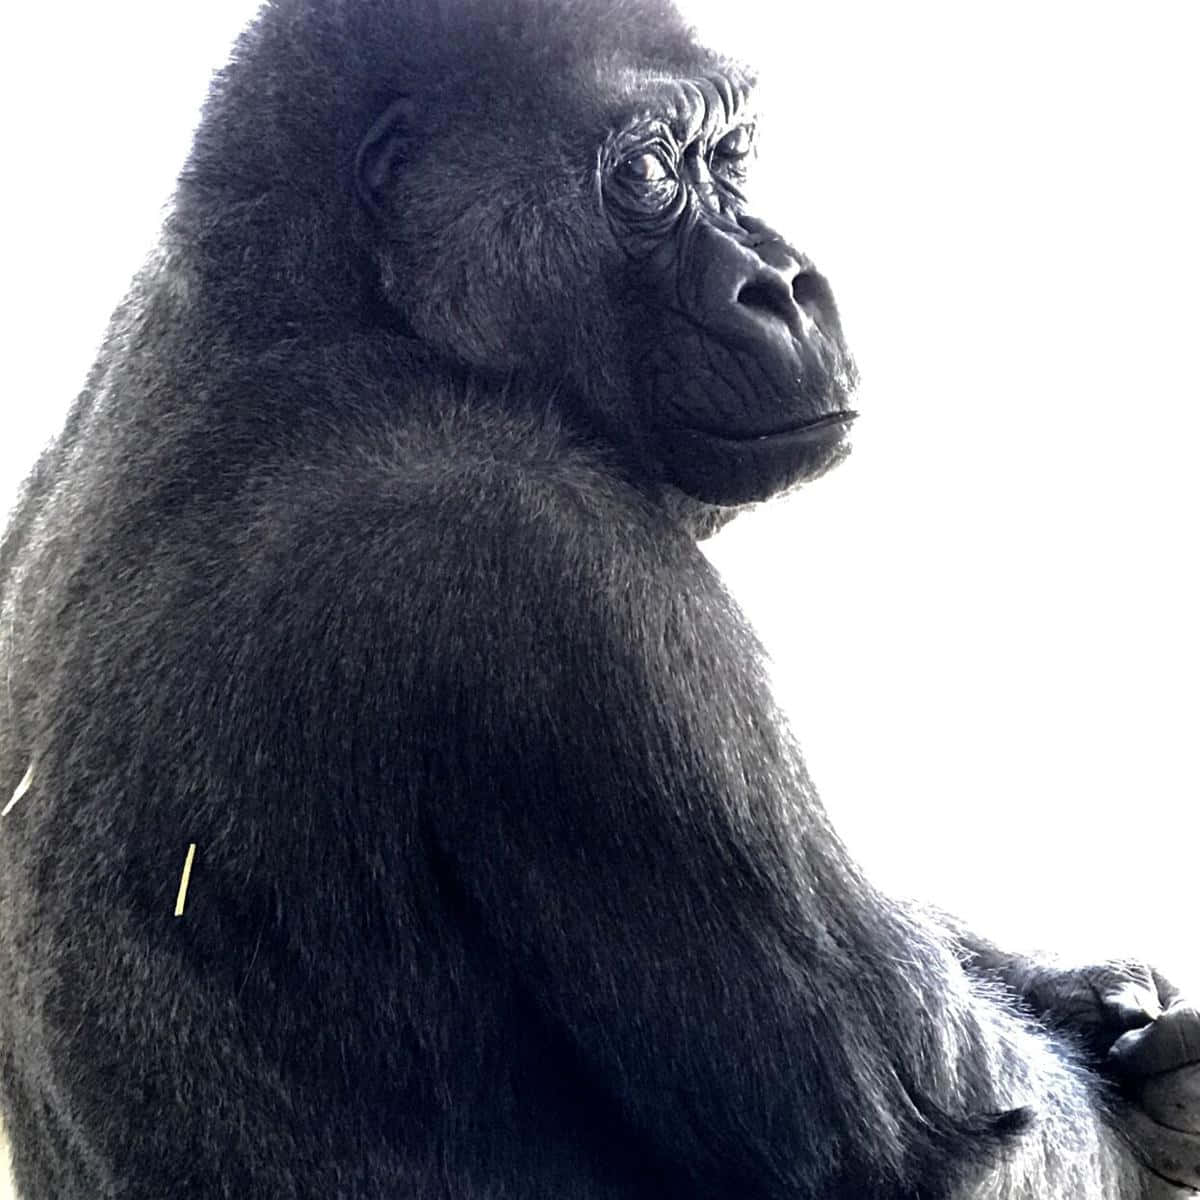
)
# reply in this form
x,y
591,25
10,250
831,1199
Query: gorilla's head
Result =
x,y
553,195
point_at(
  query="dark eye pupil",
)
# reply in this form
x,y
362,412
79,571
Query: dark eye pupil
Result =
x,y
735,144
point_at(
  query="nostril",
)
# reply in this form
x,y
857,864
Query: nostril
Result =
x,y
809,292
771,297
811,295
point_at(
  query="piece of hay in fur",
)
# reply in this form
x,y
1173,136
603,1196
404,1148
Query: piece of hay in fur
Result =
x,y
183,883
22,788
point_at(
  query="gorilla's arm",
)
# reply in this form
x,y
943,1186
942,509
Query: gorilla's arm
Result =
x,y
624,819
609,816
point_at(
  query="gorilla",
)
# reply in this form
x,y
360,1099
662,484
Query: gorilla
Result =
x,y
396,805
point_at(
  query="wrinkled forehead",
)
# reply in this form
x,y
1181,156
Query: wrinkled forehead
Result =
x,y
691,104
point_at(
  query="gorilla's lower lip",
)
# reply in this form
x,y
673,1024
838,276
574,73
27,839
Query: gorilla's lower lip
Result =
x,y
746,468
806,431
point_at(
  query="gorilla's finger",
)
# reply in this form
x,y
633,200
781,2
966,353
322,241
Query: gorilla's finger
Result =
x,y
1170,1153
1173,1098
1132,1006
1168,993
1173,1040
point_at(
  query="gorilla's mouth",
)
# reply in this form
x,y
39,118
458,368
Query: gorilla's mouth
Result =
x,y
728,469
815,430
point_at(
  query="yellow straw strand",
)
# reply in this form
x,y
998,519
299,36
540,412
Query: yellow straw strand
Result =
x,y
183,883
22,788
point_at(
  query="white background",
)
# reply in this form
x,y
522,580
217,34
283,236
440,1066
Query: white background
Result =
x,y
984,625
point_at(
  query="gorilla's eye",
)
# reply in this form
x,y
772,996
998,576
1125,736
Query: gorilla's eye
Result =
x,y
736,144
643,184
646,167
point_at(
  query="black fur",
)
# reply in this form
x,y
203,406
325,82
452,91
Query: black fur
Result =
x,y
361,565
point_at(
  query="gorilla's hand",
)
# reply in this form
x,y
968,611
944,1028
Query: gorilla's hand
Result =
x,y
1098,1004
1144,1037
1158,1066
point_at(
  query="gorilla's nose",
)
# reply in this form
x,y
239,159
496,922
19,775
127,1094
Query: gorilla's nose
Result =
x,y
771,294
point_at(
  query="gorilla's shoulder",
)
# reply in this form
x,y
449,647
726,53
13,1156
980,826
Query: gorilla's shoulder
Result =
x,y
457,512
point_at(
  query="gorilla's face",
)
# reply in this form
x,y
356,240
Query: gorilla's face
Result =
x,y
738,337
603,246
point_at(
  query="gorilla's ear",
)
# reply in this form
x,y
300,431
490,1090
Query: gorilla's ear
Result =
x,y
379,154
